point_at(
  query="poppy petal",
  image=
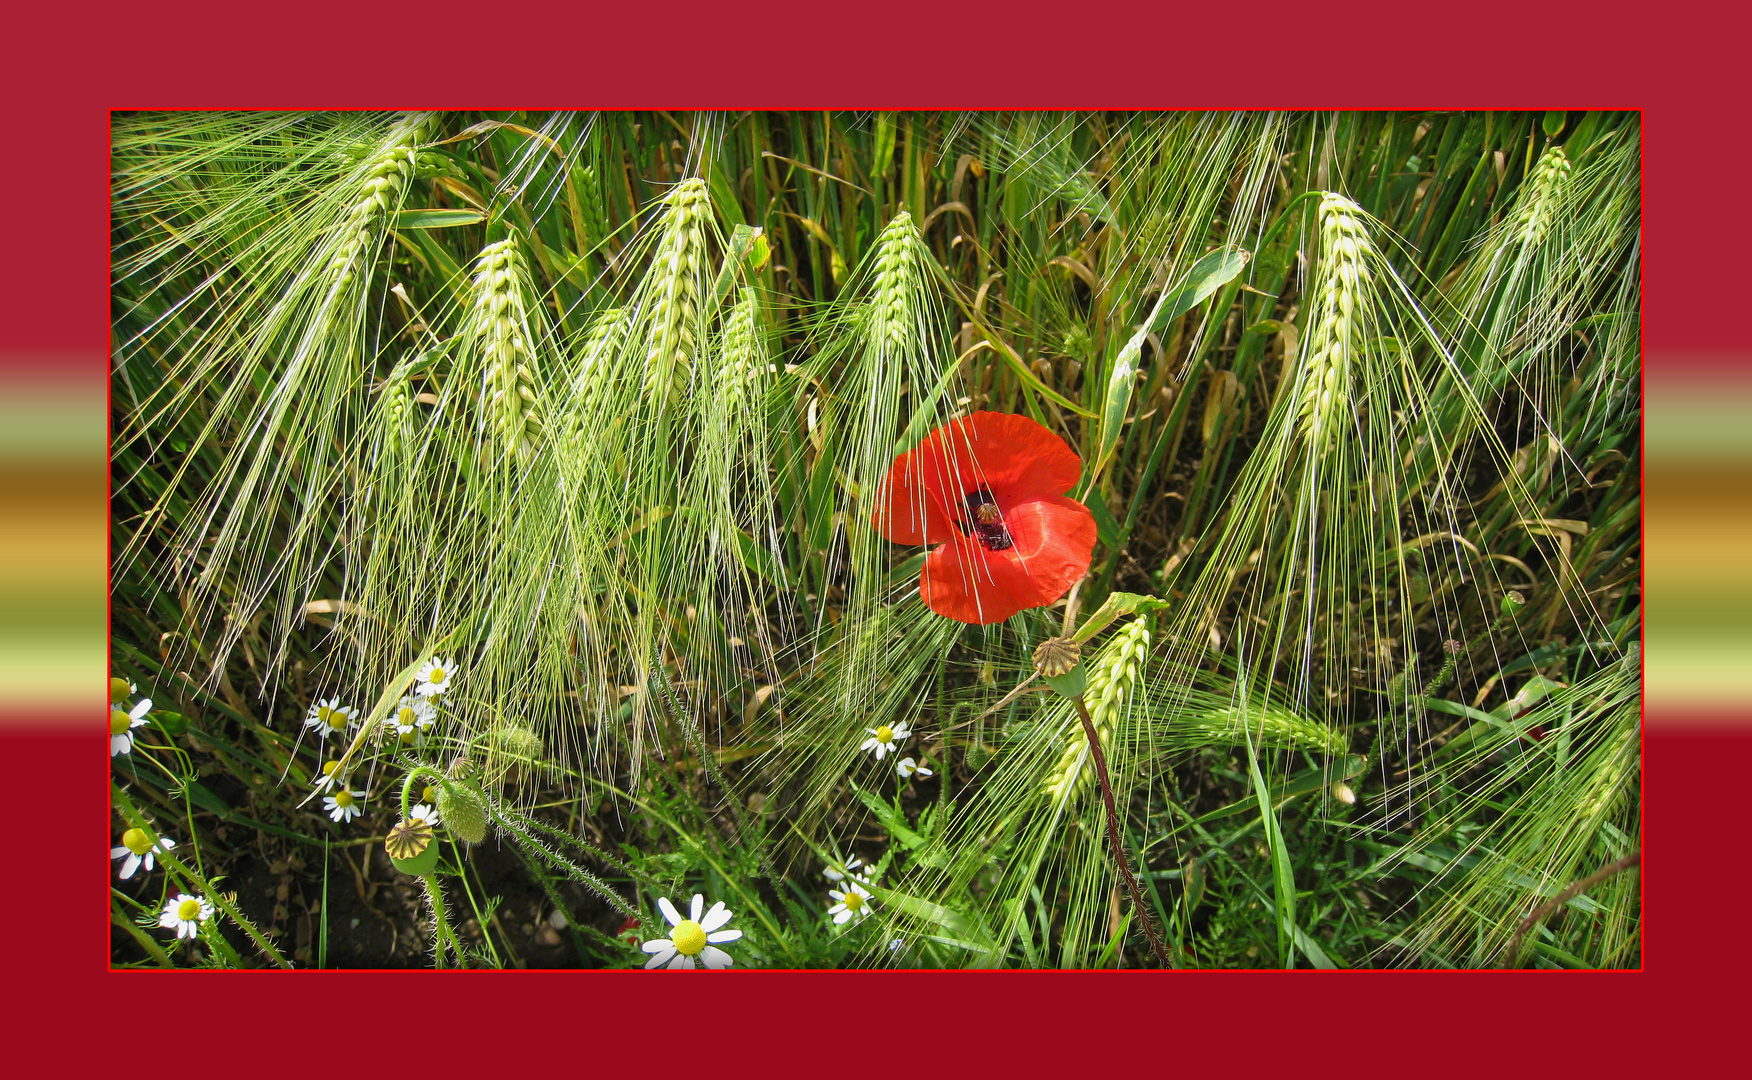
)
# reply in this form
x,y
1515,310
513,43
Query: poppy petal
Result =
x,y
909,505
1013,456
1054,538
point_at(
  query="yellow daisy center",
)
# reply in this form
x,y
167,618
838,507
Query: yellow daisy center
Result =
x,y
118,690
428,795
407,737
438,676
689,938
119,721
343,798
854,901
326,715
189,910
135,840
328,767
884,734
406,716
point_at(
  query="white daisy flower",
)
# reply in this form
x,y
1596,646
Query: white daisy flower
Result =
x,y
838,873
325,778
692,936
884,739
330,717
411,717
343,805
854,902
425,813
137,851
122,725
435,677
185,914
906,767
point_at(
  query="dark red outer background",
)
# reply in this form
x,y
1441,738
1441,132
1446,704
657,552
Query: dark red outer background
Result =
x,y
69,64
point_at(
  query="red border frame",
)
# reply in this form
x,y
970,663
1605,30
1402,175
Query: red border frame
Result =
x,y
1683,71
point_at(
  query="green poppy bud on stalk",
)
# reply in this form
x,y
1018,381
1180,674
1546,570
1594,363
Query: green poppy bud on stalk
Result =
x,y
463,808
1510,602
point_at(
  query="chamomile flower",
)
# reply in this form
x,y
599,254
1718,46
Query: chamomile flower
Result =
x,y
838,873
343,805
406,722
884,739
137,851
907,767
325,778
692,936
329,717
121,690
122,725
435,677
424,813
185,914
854,902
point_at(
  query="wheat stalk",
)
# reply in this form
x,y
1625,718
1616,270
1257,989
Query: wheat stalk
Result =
x,y
673,278
1269,727
1335,331
498,322
1111,677
384,184
1545,190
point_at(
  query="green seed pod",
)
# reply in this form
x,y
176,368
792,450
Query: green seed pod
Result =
x,y
411,848
1511,603
464,809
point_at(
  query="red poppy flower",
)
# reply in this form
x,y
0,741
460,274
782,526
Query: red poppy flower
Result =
x,y
990,491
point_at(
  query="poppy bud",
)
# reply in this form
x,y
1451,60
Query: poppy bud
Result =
x,y
464,809
1512,601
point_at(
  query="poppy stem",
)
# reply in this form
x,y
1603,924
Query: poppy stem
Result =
x,y
1131,883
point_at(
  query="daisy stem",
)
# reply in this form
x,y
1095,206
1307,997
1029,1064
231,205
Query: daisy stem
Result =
x,y
1131,883
134,818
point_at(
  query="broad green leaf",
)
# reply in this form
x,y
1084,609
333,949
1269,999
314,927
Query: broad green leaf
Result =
x,y
1206,276
432,218
1116,604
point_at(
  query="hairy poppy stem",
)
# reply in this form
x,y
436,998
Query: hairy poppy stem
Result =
x,y
1131,883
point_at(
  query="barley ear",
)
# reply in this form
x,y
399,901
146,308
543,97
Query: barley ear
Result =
x,y
1111,677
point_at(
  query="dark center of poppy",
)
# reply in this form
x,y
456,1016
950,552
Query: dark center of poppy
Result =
x,y
985,521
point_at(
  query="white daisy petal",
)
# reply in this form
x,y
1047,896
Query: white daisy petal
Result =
x,y
716,959
698,906
669,911
118,852
718,916
724,936
682,960
661,958
657,945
